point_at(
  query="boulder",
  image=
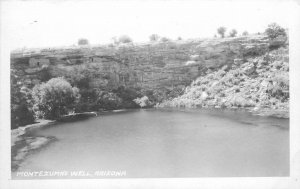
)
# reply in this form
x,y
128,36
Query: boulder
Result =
x,y
225,68
238,61
191,62
143,102
249,69
195,57
204,95
264,83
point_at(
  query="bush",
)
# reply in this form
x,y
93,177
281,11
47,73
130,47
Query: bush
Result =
x,y
97,100
245,33
127,95
274,30
143,102
108,101
125,39
165,39
221,31
54,98
279,87
154,37
233,33
277,42
81,75
83,41
21,115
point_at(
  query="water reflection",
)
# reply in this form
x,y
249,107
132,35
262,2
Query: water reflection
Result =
x,y
168,143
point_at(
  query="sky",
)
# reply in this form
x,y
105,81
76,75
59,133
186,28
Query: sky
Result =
x,y
34,23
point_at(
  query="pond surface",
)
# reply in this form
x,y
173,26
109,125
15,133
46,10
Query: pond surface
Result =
x,y
167,143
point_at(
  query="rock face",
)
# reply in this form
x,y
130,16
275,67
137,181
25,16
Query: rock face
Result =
x,y
150,66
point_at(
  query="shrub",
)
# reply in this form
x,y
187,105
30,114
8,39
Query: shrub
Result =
x,y
274,30
277,42
245,33
154,37
127,95
280,86
143,101
83,41
54,98
81,75
165,39
221,31
125,39
45,75
108,101
175,92
21,115
233,33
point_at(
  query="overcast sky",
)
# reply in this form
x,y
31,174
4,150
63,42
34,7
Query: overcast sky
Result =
x,y
60,23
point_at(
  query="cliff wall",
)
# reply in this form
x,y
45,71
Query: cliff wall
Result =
x,y
149,66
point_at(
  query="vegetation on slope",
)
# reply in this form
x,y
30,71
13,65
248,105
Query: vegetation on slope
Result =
x,y
260,82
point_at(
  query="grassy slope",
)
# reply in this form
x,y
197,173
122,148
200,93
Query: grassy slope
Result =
x,y
261,84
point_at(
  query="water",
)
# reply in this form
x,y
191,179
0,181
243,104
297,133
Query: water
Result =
x,y
167,143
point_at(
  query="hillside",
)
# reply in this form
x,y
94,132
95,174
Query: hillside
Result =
x,y
261,84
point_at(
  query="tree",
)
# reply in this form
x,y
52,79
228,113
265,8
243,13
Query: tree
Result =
x,y
233,33
245,33
154,37
83,41
179,38
21,108
221,31
125,39
274,30
54,98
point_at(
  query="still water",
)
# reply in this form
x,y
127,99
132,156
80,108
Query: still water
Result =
x,y
167,143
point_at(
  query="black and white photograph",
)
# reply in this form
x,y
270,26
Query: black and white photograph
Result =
x,y
164,89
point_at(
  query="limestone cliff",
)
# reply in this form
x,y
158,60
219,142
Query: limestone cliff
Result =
x,y
149,66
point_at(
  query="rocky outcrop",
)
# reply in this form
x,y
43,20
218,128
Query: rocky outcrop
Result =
x,y
148,66
261,84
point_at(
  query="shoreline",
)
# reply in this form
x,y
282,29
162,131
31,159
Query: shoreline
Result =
x,y
22,144
264,112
